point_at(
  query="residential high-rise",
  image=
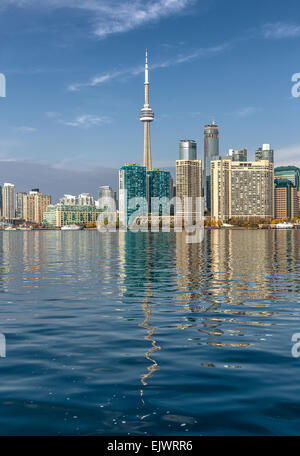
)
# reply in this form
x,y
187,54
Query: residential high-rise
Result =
x,y
147,116
189,178
211,152
1,209
132,185
242,189
35,204
286,199
20,205
238,155
8,201
84,199
265,153
159,186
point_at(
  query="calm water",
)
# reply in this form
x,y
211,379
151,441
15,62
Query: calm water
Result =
x,y
118,333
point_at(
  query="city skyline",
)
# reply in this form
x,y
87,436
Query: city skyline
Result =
x,y
68,90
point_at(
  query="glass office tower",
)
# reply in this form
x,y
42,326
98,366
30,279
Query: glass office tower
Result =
x,y
211,152
187,150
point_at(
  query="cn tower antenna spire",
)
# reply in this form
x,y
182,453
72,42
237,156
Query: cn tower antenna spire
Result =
x,y
147,116
146,69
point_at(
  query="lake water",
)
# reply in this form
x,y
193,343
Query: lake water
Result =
x,y
142,333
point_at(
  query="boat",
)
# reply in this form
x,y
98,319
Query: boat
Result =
x,y
25,228
71,228
285,225
10,228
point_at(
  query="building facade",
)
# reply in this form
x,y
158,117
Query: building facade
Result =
x,y
159,186
60,215
20,205
188,150
106,195
292,173
132,185
8,201
286,199
265,153
242,189
34,205
84,199
211,152
238,155
188,179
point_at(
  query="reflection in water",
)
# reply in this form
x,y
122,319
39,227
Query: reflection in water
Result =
x,y
138,254
87,314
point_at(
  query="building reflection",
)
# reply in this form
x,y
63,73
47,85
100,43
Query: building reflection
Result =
x,y
140,273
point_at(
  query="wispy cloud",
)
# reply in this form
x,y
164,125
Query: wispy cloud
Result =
x,y
246,112
86,121
280,30
25,129
135,71
111,16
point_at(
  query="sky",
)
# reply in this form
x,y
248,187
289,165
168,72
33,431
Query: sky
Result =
x,y
74,74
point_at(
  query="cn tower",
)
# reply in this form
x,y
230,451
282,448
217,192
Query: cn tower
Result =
x,y
147,116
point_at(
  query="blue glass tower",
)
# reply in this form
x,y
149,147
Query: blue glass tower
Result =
x,y
159,186
132,185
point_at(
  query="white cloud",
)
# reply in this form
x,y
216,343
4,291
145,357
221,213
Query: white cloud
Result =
x,y
134,71
111,16
279,30
86,121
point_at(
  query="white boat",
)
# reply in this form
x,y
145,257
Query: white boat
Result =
x,y
25,228
71,228
10,228
284,225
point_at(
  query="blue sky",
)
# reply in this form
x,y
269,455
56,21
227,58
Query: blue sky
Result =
x,y
74,72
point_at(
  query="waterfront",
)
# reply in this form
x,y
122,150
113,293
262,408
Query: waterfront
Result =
x,y
117,333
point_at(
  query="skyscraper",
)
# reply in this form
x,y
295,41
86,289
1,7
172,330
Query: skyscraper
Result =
x,y
188,176
132,185
20,205
159,186
265,153
8,201
188,150
292,173
211,152
147,116
286,199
